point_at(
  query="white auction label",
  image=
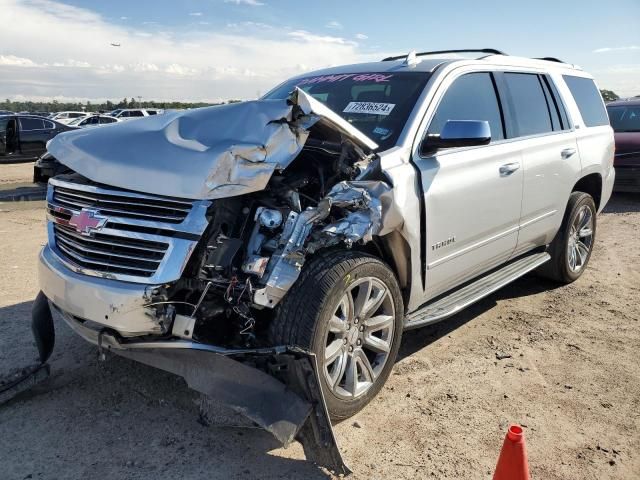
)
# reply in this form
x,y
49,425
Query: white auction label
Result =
x,y
372,108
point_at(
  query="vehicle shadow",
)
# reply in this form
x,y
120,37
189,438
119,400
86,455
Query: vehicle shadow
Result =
x,y
128,419
415,340
623,203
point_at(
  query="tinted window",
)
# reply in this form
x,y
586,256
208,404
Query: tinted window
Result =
x,y
151,112
529,104
49,125
76,115
589,100
625,118
31,124
136,113
378,104
557,101
470,97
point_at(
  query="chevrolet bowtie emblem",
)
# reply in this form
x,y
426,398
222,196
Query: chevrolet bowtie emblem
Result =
x,y
87,221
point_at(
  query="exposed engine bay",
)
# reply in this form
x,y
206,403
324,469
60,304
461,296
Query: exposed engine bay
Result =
x,y
256,244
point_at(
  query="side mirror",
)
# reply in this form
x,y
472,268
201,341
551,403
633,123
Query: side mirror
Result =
x,y
458,133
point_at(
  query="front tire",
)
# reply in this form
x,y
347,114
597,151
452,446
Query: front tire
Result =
x,y
572,246
347,309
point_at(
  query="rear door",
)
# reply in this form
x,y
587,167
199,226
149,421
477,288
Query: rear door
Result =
x,y
34,133
472,195
550,158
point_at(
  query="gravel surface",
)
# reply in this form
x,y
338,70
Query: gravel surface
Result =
x,y
561,361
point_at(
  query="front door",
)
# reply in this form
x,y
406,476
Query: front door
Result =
x,y
472,195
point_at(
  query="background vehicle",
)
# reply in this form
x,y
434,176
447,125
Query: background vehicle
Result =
x,y
24,137
625,120
93,121
395,194
131,113
47,167
67,117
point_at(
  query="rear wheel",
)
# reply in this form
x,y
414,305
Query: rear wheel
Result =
x,y
347,309
571,248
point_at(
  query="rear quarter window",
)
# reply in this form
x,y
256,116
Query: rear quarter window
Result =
x,y
588,99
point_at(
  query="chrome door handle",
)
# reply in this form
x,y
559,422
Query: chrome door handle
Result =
x,y
567,152
509,168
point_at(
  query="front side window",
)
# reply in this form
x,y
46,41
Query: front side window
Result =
x,y
624,118
377,104
588,99
529,103
470,97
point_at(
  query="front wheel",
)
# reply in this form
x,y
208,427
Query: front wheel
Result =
x,y
571,248
346,307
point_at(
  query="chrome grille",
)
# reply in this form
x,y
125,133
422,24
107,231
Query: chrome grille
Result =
x,y
110,254
145,238
126,206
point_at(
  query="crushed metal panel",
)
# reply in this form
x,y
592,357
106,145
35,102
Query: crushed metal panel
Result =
x,y
371,211
205,153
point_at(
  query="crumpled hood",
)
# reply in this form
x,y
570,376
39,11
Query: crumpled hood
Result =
x,y
205,153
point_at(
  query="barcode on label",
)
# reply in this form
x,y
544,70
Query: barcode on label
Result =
x,y
372,108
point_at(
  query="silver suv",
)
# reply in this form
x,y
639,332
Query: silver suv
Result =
x,y
291,240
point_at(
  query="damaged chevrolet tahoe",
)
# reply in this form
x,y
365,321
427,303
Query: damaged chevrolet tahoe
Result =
x,y
272,252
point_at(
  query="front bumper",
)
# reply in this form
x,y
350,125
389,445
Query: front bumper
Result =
x,y
278,388
121,306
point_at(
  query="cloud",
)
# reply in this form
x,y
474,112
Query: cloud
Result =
x,y
308,37
184,64
196,14
334,24
124,18
616,49
13,61
361,36
251,3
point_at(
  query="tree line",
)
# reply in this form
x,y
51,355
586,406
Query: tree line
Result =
x,y
56,106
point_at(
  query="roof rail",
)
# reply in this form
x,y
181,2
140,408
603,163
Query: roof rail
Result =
x,y
488,51
550,59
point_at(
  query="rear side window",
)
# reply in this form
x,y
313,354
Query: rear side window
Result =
x,y
136,113
529,104
31,124
470,97
107,120
588,99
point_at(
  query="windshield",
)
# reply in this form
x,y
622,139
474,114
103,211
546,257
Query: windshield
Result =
x,y
377,104
625,118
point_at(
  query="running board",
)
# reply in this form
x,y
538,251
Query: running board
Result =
x,y
477,290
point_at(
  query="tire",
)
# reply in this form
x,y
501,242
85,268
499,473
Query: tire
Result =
x,y
319,313
566,267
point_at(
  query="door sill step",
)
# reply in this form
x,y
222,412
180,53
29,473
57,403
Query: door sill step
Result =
x,y
460,299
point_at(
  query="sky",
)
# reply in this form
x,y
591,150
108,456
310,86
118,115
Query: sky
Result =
x,y
212,50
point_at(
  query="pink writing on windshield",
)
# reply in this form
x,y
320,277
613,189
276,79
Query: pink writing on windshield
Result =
x,y
362,77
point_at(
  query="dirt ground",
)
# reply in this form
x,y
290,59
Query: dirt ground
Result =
x,y
571,378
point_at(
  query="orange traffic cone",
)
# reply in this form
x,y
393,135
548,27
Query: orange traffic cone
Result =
x,y
512,463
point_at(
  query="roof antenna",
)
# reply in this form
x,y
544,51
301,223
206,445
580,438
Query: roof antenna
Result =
x,y
411,60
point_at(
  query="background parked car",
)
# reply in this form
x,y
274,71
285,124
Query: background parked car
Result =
x,y
92,121
66,117
46,167
131,113
25,137
624,116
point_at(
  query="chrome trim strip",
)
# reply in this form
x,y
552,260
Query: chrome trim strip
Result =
x,y
468,248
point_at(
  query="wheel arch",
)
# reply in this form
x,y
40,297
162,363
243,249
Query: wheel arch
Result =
x,y
591,184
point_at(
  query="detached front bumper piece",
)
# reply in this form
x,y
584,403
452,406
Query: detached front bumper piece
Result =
x,y
277,388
